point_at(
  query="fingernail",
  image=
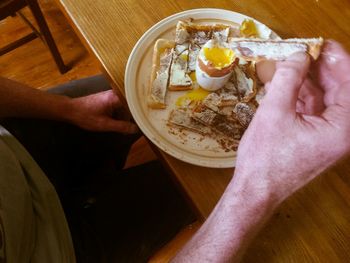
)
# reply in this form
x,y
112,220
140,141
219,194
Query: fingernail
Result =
x,y
332,52
330,59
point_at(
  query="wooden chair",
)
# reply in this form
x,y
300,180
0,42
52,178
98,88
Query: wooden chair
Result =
x,y
12,7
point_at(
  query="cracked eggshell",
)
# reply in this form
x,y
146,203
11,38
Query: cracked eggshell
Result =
x,y
210,76
210,83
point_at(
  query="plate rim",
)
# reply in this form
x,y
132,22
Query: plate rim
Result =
x,y
227,162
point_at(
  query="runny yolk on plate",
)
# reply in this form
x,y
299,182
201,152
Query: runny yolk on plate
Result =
x,y
195,95
218,56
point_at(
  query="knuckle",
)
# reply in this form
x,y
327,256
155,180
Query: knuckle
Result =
x,y
268,115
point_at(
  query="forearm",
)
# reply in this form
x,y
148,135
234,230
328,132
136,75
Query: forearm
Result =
x,y
18,100
235,221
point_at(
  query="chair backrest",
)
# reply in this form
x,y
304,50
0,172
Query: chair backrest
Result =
x,y
10,7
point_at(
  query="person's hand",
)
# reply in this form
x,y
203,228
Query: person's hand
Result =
x,y
294,135
310,97
300,128
96,113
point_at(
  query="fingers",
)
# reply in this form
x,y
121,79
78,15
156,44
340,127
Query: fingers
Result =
x,y
312,97
112,98
332,69
120,126
96,113
336,60
284,88
265,70
339,112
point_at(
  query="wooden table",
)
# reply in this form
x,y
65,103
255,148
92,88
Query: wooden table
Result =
x,y
314,224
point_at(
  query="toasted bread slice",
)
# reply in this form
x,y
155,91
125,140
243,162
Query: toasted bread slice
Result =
x,y
182,35
223,134
179,78
161,63
244,113
196,35
182,118
217,122
219,102
191,28
258,49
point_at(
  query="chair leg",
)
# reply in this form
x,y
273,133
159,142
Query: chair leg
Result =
x,y
17,43
44,29
28,23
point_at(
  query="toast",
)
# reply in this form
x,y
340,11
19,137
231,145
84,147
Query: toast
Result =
x,y
199,34
179,78
189,40
182,119
218,123
161,63
258,49
244,113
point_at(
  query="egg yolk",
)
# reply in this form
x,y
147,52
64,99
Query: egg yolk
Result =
x,y
248,28
219,57
193,96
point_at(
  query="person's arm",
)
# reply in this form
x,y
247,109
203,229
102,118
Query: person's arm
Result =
x,y
232,225
284,148
93,112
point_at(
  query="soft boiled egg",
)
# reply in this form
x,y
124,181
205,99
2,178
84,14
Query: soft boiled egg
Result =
x,y
214,65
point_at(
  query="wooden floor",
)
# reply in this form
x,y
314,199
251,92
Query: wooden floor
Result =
x,y
32,63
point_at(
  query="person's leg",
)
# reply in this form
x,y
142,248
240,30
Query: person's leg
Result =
x,y
81,87
116,216
129,217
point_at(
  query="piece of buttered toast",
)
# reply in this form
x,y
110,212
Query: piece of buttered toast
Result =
x,y
161,64
258,49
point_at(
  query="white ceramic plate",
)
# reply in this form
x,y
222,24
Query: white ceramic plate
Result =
x,y
190,147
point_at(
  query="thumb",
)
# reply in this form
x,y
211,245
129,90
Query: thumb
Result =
x,y
284,87
334,63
